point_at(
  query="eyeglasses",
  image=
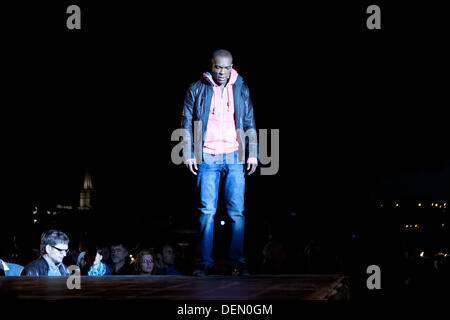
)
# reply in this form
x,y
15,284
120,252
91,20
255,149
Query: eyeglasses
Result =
x,y
147,261
61,250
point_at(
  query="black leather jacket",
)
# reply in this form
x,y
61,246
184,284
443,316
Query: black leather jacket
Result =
x,y
195,116
39,267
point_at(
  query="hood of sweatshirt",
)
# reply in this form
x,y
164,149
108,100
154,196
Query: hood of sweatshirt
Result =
x,y
216,88
233,77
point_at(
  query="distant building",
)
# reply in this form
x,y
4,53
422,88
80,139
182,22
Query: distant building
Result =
x,y
48,213
86,193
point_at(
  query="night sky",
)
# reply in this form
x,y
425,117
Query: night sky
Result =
x,y
361,113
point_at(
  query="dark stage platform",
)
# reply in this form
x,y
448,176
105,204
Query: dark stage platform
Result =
x,y
129,288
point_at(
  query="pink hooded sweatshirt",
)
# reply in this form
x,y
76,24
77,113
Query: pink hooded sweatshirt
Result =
x,y
221,131
221,134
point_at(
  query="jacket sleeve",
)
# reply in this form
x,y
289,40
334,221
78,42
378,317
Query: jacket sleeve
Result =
x,y
249,124
29,271
186,124
35,268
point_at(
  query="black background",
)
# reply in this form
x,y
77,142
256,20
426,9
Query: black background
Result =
x,y
353,105
361,113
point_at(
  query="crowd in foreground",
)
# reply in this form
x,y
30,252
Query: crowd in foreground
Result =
x,y
409,273
93,260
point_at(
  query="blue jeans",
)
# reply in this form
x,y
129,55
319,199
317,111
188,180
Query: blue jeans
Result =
x,y
210,172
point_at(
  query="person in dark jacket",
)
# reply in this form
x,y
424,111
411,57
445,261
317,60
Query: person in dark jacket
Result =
x,y
120,259
219,132
166,261
54,247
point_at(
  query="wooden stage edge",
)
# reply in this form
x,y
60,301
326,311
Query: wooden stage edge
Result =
x,y
130,288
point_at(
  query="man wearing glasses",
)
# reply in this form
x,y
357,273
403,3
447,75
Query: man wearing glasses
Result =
x,y
54,247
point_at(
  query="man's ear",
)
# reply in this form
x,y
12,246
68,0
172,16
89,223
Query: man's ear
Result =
x,y
47,248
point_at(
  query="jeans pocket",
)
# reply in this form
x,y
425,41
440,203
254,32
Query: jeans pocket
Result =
x,y
208,158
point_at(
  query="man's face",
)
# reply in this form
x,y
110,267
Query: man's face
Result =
x,y
118,253
221,69
168,257
57,252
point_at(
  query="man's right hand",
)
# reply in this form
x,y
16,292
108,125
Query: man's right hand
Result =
x,y
191,164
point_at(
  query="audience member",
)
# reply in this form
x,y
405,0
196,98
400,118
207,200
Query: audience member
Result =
x,y
145,263
105,251
54,247
120,259
10,269
313,255
166,261
90,263
274,258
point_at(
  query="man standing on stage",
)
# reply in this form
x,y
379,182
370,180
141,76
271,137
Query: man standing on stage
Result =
x,y
219,132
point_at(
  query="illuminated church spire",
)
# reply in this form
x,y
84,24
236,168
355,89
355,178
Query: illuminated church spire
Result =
x,y
87,185
86,192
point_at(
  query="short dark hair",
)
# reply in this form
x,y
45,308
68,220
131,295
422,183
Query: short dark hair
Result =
x,y
52,238
222,53
91,253
119,243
